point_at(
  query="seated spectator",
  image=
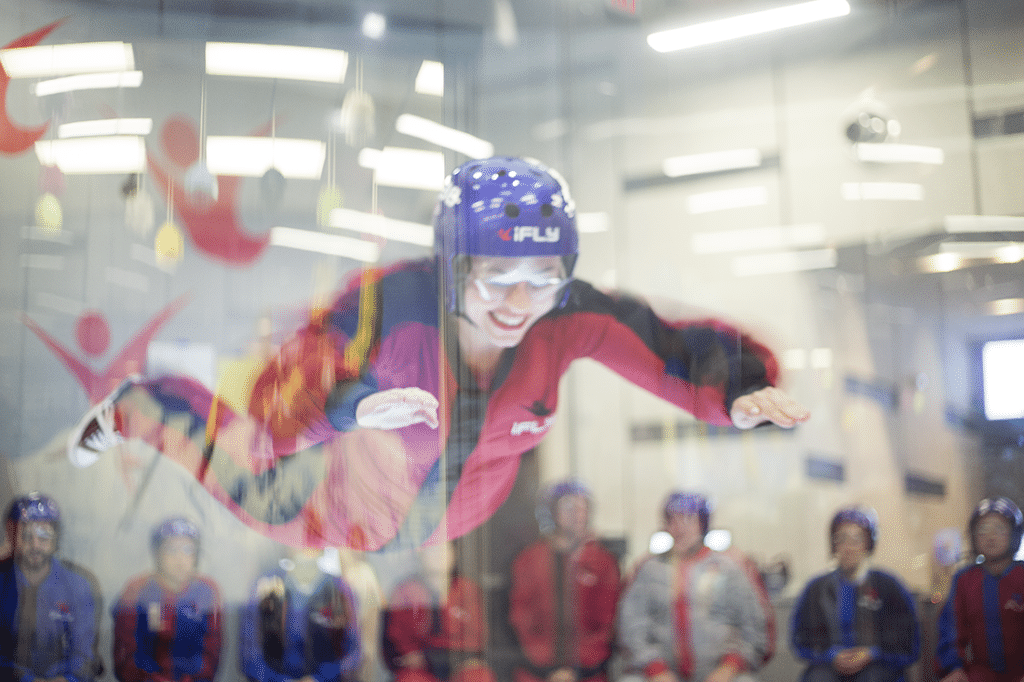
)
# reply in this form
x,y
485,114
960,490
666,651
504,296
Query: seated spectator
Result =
x,y
981,627
167,624
565,589
693,613
48,608
856,623
434,626
300,624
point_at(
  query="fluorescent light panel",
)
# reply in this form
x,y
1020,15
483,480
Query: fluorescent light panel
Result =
x,y
430,78
882,152
941,262
983,223
330,244
723,200
46,61
1005,306
89,81
389,228
254,156
694,164
882,191
401,167
276,61
443,136
757,238
108,154
108,126
783,262
747,25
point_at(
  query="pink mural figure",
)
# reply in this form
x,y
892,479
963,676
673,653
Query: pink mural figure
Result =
x,y
212,222
15,139
93,335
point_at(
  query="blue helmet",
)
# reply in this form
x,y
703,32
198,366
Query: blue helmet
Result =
x,y
865,517
34,506
503,206
174,527
689,503
1005,508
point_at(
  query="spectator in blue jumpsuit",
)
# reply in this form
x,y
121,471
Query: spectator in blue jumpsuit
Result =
x,y
856,623
300,625
47,607
167,624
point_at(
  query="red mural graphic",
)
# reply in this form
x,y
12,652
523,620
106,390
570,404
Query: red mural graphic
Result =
x,y
15,139
212,222
93,335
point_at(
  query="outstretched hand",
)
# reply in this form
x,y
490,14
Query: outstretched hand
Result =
x,y
396,408
767,405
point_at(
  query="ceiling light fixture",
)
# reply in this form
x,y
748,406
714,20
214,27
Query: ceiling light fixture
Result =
x,y
401,167
882,191
747,25
107,126
330,244
389,228
443,136
46,61
108,154
711,162
276,61
430,78
726,199
89,81
254,156
883,152
374,25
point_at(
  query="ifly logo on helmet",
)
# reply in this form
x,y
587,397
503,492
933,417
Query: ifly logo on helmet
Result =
x,y
522,233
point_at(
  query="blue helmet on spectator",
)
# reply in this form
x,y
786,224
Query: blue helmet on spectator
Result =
x,y
865,517
1005,508
689,503
174,527
502,206
34,506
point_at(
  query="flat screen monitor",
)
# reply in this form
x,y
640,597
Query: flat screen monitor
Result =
x,y
1002,371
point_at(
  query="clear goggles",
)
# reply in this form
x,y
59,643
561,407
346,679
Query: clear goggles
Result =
x,y
492,287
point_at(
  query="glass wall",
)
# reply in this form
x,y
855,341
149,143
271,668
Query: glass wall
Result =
x,y
845,192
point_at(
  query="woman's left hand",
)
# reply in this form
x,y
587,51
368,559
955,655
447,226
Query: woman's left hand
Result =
x,y
767,405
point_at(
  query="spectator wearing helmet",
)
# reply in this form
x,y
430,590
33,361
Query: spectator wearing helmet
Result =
x,y
167,624
300,624
693,613
399,413
981,626
564,592
856,623
48,608
435,628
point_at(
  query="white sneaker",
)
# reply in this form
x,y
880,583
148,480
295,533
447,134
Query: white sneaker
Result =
x,y
96,433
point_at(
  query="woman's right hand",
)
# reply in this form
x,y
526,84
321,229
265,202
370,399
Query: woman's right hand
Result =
x,y
396,408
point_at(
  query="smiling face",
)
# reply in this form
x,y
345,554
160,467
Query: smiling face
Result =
x,y
504,297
